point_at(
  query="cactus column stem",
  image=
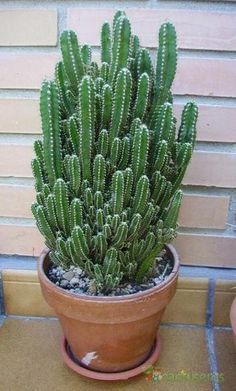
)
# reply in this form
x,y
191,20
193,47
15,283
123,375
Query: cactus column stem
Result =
x,y
86,119
50,114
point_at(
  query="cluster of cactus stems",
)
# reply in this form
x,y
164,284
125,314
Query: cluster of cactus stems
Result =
x,y
110,164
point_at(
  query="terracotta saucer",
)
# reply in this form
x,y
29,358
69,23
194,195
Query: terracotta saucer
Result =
x,y
75,365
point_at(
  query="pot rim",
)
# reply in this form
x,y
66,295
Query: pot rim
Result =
x,y
109,299
233,316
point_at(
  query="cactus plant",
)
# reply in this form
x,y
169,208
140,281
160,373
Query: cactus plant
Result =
x,y
109,168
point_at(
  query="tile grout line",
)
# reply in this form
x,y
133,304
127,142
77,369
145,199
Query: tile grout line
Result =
x,y
210,335
162,325
223,328
183,325
30,317
2,307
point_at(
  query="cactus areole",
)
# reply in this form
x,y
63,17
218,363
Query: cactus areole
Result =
x,y
110,164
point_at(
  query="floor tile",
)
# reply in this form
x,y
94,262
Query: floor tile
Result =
x,y
23,296
224,296
226,357
30,360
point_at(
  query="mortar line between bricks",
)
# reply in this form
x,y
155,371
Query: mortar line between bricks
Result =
x,y
224,5
210,335
220,233
179,99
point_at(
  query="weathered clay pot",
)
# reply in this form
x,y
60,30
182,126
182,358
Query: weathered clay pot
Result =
x,y
109,334
233,319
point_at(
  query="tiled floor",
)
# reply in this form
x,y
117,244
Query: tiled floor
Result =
x,y
226,358
30,360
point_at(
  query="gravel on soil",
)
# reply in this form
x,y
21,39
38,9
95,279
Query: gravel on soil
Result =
x,y
75,280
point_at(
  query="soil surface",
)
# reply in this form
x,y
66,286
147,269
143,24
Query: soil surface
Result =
x,y
75,280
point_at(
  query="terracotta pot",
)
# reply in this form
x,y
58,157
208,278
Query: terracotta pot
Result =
x,y
233,318
109,334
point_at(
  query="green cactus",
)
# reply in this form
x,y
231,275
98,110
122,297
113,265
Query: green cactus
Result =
x,y
67,105
76,213
142,97
110,165
165,70
120,45
118,192
166,62
106,43
86,54
122,99
140,151
143,64
72,58
51,126
86,120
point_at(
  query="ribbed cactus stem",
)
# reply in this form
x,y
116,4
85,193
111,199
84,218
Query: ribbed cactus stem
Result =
x,y
60,192
173,211
106,43
86,54
160,155
187,153
51,210
73,132
86,119
120,47
79,243
140,151
125,153
187,131
105,70
128,184
121,234
164,124
51,125
74,174
166,61
38,149
37,172
72,58
122,98
76,213
118,192
144,63
142,97
115,150
99,173
141,194
103,142
62,81
44,225
134,46
134,226
106,106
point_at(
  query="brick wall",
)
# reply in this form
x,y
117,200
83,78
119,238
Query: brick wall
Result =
x,y
206,71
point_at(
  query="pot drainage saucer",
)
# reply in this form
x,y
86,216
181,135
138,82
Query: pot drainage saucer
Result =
x,y
76,366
